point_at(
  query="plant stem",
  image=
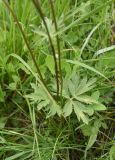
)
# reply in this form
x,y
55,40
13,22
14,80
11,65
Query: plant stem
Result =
x,y
58,44
27,44
38,7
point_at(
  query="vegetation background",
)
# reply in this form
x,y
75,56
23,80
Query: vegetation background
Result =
x,y
57,80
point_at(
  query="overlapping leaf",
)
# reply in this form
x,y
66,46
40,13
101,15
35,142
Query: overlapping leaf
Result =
x,y
41,99
80,101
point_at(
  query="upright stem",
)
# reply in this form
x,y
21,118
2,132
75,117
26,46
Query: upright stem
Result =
x,y
58,43
38,7
27,44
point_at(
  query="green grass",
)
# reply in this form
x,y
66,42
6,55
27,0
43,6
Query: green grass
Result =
x,y
57,80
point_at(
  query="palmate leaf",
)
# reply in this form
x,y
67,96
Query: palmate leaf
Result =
x,y
52,109
85,86
77,86
83,105
71,88
40,92
80,111
98,107
68,108
86,99
40,97
95,95
42,104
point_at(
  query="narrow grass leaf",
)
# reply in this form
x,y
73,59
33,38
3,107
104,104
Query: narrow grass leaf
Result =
x,y
101,51
16,156
87,67
88,38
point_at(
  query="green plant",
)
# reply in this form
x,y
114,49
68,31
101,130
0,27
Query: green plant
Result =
x,y
57,80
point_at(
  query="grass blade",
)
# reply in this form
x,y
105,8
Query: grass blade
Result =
x,y
87,67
